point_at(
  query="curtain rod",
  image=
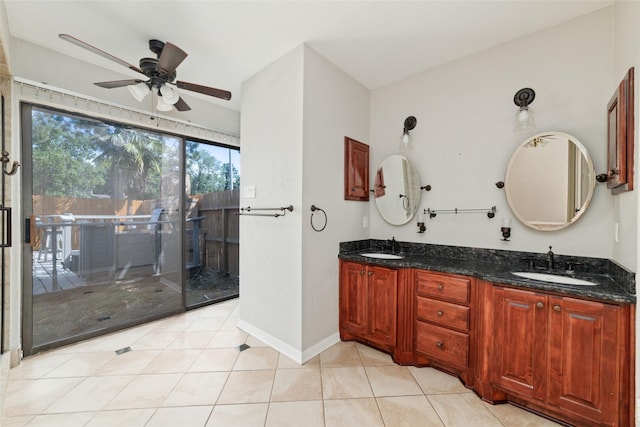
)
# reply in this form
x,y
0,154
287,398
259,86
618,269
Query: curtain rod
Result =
x,y
56,97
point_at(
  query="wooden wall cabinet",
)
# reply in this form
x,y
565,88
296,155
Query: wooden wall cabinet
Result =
x,y
561,355
356,170
368,304
620,136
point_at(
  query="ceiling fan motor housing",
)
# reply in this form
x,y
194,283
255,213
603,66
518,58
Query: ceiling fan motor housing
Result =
x,y
157,78
156,46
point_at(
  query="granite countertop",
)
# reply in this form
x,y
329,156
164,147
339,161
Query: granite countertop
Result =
x,y
606,289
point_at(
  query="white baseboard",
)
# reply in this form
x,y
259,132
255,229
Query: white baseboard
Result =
x,y
292,353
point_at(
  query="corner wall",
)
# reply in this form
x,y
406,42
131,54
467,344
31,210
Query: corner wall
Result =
x,y
295,115
626,206
270,248
335,106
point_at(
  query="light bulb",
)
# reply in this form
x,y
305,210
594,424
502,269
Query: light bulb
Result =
x,y
405,138
162,105
523,114
139,91
169,94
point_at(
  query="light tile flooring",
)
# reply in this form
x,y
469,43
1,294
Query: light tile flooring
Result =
x,y
187,371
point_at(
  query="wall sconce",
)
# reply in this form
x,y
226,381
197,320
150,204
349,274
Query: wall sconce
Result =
x,y
421,227
524,119
505,228
409,124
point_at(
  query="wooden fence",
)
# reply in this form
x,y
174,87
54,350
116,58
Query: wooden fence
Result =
x,y
219,228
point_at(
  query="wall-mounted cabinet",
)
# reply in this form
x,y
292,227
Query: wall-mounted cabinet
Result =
x,y
356,170
620,136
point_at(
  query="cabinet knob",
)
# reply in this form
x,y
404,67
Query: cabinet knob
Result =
x,y
371,273
539,304
614,172
557,308
440,313
440,286
361,272
439,344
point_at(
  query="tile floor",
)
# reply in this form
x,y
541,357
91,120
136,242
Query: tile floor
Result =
x,y
187,371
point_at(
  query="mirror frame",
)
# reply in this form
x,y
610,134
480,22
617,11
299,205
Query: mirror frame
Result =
x,y
582,149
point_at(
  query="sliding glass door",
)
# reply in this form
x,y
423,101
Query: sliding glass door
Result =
x,y
105,226
212,178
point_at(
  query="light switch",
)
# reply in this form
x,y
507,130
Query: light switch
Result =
x,y
249,192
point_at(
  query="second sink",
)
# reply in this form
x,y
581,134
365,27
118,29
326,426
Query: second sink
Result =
x,y
553,278
381,255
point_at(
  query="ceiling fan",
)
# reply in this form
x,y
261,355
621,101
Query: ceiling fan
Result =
x,y
160,73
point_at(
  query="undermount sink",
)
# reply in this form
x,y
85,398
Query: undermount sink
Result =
x,y
553,278
381,255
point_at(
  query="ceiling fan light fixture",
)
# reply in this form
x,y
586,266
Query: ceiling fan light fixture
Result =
x,y
169,93
162,105
139,91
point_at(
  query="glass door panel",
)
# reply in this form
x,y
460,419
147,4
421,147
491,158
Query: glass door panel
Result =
x,y
212,178
106,227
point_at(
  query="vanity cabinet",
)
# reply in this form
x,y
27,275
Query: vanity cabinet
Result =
x,y
443,320
561,355
368,304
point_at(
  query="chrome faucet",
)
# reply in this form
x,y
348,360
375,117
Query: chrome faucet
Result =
x,y
550,262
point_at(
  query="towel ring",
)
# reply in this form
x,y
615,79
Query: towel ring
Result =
x,y
313,209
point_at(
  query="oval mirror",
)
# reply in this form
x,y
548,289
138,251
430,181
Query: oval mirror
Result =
x,y
396,190
549,181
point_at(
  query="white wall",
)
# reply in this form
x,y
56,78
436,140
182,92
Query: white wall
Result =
x,y
626,51
270,248
335,106
295,115
626,209
464,138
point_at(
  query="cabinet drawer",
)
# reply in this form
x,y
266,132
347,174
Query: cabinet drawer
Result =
x,y
443,344
448,288
443,313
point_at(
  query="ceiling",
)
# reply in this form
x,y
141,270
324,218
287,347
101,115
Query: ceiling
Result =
x,y
376,42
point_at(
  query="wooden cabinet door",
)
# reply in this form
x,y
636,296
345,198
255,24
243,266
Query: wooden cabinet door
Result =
x,y
353,298
519,359
584,358
383,304
356,170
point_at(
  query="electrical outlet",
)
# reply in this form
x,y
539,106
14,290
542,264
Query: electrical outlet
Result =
x,y
365,221
616,232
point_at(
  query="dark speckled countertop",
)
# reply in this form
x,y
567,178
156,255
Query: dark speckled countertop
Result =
x,y
613,283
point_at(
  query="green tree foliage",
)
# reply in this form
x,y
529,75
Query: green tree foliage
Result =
x,y
134,161
80,157
207,173
62,154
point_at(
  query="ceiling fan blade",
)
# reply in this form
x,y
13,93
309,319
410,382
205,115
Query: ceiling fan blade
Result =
x,y
118,83
100,52
170,58
211,91
181,105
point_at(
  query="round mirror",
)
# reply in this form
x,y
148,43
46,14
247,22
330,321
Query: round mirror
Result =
x,y
396,190
549,181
